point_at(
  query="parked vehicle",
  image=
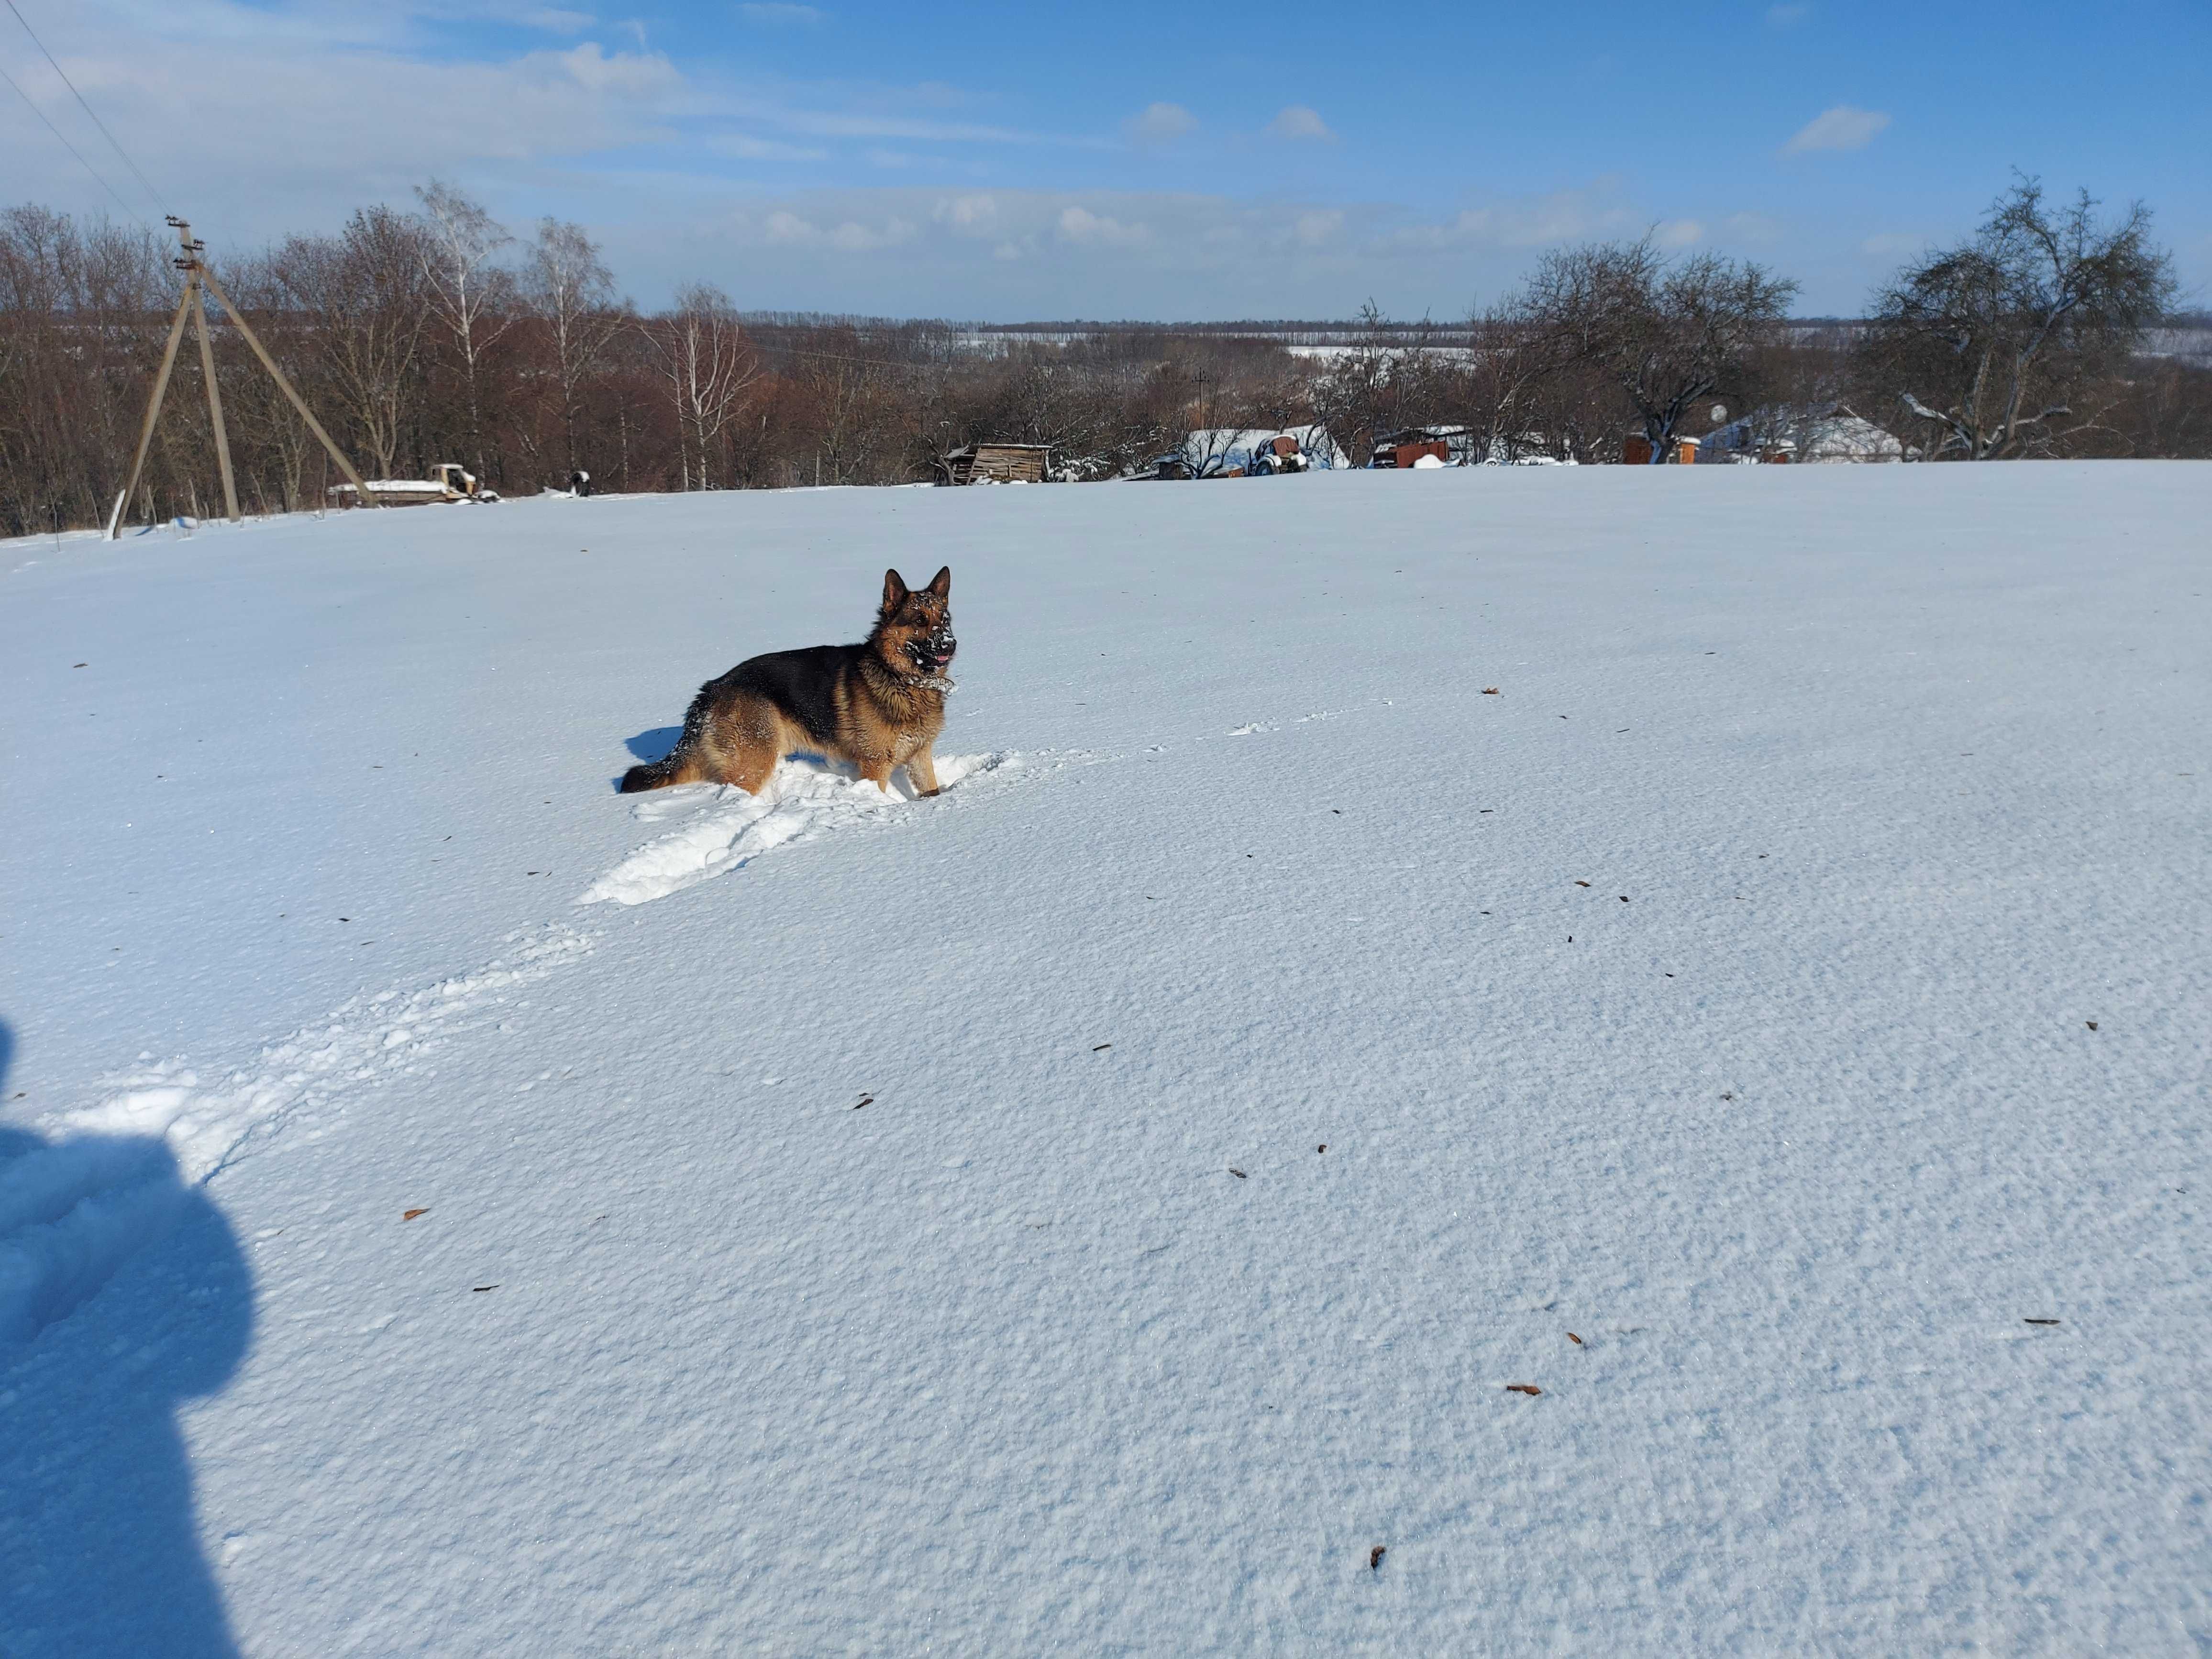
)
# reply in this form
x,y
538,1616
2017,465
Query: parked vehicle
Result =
x,y
452,482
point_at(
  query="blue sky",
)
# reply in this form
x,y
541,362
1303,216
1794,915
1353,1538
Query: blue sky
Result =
x,y
1144,160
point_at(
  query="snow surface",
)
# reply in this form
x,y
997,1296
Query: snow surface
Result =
x,y
856,1223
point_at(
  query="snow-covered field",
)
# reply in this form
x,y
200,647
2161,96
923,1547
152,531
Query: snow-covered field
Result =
x,y
1093,1210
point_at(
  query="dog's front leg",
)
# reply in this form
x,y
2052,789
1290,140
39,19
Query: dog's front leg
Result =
x,y
876,770
922,770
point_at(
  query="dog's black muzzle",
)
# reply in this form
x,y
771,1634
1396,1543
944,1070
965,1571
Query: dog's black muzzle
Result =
x,y
934,654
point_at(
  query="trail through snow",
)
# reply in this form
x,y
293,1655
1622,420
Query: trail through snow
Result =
x,y
728,828
112,1180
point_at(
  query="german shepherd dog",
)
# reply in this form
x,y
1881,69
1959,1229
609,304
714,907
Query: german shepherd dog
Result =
x,y
879,704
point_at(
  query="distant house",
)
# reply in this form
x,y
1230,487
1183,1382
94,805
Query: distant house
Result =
x,y
996,463
1830,435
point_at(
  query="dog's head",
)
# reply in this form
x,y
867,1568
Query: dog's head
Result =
x,y
915,624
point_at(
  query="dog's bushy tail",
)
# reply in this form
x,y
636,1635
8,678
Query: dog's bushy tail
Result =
x,y
674,767
652,775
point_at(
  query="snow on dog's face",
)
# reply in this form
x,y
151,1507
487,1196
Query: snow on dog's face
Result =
x,y
914,627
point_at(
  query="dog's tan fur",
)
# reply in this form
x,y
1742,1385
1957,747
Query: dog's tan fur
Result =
x,y
878,705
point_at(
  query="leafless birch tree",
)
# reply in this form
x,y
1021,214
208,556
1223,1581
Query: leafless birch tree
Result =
x,y
708,363
574,294
471,297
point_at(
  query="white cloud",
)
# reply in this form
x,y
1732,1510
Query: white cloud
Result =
x,y
1318,227
1789,15
328,130
631,74
1840,128
554,20
1296,121
973,215
785,229
854,237
1159,123
1527,222
832,123
774,16
744,147
1677,233
1080,225
1752,228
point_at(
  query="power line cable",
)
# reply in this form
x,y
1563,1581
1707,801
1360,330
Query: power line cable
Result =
x,y
73,150
87,109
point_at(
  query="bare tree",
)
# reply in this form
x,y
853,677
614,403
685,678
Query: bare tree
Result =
x,y
1496,386
1991,342
271,447
83,316
707,364
852,398
575,293
366,293
1667,334
1358,396
471,295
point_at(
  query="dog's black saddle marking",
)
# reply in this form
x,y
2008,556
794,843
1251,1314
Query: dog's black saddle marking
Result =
x,y
803,684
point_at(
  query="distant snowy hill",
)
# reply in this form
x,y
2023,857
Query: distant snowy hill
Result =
x,y
1605,1060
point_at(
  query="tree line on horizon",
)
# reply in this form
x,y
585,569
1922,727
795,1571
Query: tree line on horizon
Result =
x,y
432,335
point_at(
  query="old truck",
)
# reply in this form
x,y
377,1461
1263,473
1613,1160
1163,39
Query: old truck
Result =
x,y
450,482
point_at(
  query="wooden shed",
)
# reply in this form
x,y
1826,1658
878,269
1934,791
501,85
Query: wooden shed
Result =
x,y
996,463
1405,454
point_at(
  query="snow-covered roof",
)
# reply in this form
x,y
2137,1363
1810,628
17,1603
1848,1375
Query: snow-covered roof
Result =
x,y
1809,435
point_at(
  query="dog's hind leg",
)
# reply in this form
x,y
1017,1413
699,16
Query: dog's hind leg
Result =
x,y
744,743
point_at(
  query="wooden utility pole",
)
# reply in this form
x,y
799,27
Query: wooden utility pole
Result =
x,y
214,391
197,275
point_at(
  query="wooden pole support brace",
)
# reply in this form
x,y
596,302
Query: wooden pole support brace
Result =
x,y
153,403
361,487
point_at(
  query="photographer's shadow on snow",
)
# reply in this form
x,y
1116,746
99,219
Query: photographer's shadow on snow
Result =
x,y
123,1294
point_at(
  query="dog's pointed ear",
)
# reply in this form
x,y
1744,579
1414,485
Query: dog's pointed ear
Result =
x,y
895,590
941,584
